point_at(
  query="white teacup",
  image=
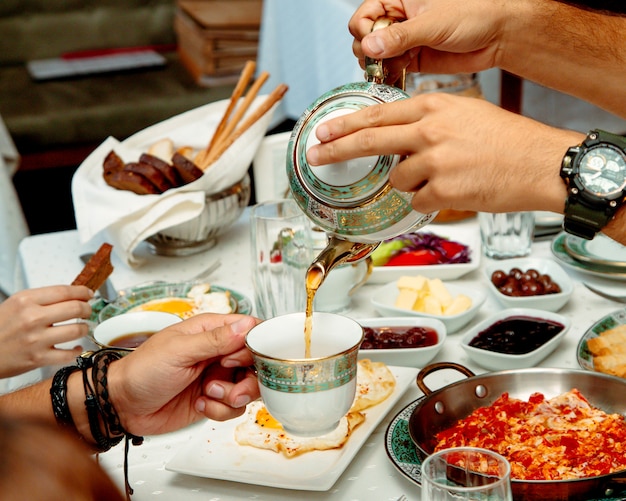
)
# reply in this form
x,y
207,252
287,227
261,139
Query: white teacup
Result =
x,y
307,396
125,332
334,295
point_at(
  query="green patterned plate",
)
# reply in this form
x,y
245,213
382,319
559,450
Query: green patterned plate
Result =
x,y
610,321
602,251
596,270
401,450
135,296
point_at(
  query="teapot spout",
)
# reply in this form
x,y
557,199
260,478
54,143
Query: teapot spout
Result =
x,y
338,251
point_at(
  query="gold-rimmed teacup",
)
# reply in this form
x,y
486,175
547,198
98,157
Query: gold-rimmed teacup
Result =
x,y
308,396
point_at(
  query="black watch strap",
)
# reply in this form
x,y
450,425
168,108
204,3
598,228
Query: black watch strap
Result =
x,y
584,221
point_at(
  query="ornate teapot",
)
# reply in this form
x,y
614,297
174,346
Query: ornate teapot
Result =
x,y
352,201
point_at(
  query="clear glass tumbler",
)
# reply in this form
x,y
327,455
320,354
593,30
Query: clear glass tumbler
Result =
x,y
280,243
466,473
506,235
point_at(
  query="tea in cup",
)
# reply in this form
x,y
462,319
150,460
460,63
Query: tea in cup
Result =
x,y
308,396
127,331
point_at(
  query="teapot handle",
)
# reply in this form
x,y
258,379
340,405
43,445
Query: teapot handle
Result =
x,y
374,69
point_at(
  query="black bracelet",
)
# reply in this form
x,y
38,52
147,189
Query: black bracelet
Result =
x,y
58,396
94,412
99,363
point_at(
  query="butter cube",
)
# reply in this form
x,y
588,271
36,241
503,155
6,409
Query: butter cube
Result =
x,y
459,304
432,305
413,283
406,299
439,290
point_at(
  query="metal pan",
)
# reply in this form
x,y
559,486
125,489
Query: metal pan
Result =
x,y
442,408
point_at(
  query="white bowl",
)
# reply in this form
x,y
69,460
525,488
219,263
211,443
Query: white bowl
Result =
x,y
548,302
107,331
495,361
405,357
384,300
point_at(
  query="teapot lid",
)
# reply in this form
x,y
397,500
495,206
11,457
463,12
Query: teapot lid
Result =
x,y
353,198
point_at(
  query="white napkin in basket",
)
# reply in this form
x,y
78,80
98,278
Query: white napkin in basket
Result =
x,y
125,219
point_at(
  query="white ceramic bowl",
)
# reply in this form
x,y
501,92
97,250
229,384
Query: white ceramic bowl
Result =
x,y
384,300
548,302
405,357
495,361
107,331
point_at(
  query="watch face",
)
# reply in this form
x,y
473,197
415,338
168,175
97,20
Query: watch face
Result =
x,y
602,170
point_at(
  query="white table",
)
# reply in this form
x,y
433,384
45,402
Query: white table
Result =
x,y
53,258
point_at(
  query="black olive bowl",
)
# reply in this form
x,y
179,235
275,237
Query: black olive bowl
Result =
x,y
547,268
526,345
409,356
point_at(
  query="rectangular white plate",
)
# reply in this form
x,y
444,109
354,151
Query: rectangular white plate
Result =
x,y
213,453
469,236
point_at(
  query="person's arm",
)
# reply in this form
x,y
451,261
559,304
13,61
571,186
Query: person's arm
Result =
x,y
194,369
578,51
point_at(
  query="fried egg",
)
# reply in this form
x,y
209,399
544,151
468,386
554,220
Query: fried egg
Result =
x,y
375,383
261,430
199,299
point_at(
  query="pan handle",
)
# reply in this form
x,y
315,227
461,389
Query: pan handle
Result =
x,y
429,369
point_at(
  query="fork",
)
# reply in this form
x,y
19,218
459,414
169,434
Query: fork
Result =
x,y
206,272
606,295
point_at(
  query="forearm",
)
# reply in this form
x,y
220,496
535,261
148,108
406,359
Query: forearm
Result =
x,y
577,51
35,402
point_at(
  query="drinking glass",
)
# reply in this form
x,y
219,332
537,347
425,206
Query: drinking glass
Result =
x,y
280,244
506,235
466,473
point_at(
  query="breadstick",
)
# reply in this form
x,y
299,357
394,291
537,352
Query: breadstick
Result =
x,y
210,157
275,96
240,87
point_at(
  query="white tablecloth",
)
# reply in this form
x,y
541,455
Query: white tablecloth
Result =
x,y
53,258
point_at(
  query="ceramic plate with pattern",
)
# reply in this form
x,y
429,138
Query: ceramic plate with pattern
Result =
x,y
596,270
610,321
602,250
141,294
402,454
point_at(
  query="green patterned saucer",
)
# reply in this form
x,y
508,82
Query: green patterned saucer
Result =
x,y
140,294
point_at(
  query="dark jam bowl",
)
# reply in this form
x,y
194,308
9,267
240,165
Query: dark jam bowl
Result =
x,y
515,338
400,331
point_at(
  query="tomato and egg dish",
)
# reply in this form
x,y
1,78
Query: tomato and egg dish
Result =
x,y
562,438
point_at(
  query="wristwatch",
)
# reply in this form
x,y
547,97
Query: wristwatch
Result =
x,y
595,174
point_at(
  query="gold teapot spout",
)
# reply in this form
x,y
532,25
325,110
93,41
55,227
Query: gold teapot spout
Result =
x,y
338,251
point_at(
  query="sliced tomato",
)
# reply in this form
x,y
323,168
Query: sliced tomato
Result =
x,y
452,248
415,258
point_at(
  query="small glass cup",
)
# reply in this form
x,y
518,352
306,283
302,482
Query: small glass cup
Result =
x,y
506,235
281,243
466,473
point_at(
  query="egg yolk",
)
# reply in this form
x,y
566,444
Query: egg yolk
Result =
x,y
265,420
177,306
